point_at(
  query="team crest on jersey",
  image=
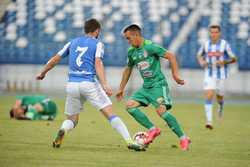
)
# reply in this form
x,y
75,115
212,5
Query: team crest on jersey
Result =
x,y
160,100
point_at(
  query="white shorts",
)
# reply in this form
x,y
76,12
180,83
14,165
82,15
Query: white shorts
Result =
x,y
79,92
215,84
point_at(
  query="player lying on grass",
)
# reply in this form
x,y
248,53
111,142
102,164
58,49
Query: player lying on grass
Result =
x,y
36,107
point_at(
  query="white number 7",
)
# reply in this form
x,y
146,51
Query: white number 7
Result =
x,y
82,50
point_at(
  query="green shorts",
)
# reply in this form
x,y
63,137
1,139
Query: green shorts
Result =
x,y
49,108
156,96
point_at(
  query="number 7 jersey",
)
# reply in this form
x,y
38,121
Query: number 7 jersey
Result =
x,y
82,52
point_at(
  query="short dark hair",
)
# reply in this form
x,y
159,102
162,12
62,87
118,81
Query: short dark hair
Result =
x,y
91,25
132,27
214,26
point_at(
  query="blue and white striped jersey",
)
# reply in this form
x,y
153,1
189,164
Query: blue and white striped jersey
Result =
x,y
219,51
82,52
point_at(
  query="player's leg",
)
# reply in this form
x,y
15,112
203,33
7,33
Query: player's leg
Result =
x,y
220,97
73,106
170,120
220,100
209,94
209,87
66,126
120,127
49,110
174,126
137,114
141,118
160,98
98,98
132,106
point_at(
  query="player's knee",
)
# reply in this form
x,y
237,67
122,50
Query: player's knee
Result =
x,y
209,95
130,104
161,109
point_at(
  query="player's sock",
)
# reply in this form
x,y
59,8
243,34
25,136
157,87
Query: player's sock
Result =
x,y
208,111
220,109
121,128
67,125
173,124
140,117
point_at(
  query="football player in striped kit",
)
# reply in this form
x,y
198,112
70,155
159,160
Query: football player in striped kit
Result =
x,y
214,56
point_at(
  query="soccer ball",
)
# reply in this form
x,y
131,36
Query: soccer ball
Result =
x,y
139,138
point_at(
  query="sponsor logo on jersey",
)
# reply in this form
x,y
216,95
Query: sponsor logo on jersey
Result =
x,y
143,65
147,74
214,54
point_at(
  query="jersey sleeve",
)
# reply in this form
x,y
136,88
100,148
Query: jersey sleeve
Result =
x,y
65,50
201,51
129,62
158,50
99,50
229,51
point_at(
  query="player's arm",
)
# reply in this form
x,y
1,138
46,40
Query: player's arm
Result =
x,y
232,57
125,77
101,75
174,67
17,104
201,61
99,67
231,60
200,57
54,61
50,64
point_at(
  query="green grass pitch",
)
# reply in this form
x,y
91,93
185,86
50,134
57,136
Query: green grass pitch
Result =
x,y
95,144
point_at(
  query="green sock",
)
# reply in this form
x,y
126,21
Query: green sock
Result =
x,y
172,123
140,117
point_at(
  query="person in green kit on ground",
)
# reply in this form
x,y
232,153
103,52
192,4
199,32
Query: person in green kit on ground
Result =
x,y
35,107
145,55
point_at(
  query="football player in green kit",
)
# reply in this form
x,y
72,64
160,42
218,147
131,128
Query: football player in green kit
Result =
x,y
145,55
35,107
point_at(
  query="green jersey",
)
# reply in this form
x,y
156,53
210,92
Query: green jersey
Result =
x,y
147,60
31,100
49,107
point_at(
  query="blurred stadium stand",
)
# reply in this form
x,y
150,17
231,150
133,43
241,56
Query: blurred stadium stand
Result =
x,y
33,30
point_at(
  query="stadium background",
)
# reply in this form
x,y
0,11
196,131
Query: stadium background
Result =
x,y
33,30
